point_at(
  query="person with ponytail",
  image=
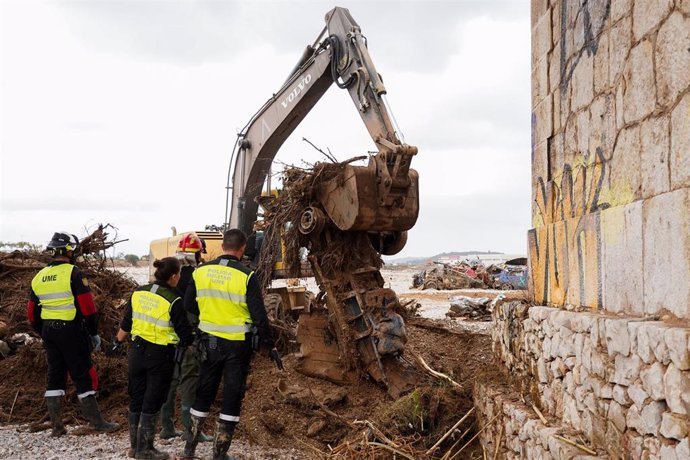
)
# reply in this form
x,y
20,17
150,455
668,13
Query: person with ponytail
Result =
x,y
157,323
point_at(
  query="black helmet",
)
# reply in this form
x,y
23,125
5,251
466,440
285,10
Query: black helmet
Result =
x,y
64,240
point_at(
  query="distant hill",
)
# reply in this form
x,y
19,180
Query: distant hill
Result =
x,y
443,255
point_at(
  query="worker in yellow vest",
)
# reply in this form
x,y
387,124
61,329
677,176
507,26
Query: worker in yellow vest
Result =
x,y
61,308
156,320
226,296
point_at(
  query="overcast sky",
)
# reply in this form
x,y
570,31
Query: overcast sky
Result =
x,y
125,112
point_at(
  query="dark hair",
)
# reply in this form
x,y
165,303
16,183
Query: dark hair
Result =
x,y
165,268
234,239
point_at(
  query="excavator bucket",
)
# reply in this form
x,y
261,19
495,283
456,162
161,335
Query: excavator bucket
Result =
x,y
352,201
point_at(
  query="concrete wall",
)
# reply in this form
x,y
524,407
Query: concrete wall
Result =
x,y
611,155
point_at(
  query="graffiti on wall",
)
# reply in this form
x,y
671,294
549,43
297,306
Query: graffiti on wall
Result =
x,y
593,14
565,252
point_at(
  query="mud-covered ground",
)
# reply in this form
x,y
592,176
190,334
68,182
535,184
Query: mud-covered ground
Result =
x,y
273,427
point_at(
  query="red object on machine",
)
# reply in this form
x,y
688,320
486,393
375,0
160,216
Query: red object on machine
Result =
x,y
190,243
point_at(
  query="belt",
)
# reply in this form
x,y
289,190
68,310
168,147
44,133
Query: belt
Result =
x,y
57,323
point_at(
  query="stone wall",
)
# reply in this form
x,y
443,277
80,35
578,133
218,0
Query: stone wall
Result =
x,y
611,155
623,383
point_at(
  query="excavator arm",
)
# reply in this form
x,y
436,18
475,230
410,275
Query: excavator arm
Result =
x,y
381,197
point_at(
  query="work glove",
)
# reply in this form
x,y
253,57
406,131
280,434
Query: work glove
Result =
x,y
273,354
95,343
114,348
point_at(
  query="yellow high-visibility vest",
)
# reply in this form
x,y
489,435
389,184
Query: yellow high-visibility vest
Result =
x,y
53,288
221,292
151,315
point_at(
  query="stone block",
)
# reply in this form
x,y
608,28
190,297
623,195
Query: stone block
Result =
x,y
639,97
672,58
571,415
651,417
647,15
617,414
543,112
680,144
668,452
656,144
601,65
651,448
683,449
674,426
653,380
541,37
620,395
619,9
542,371
633,419
554,70
599,364
678,343
626,369
617,337
540,82
677,389
638,395
643,344
602,132
582,82
625,180
621,230
620,40
666,233
583,151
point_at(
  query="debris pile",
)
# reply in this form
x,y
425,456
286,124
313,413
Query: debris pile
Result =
x,y
473,308
23,368
445,276
283,410
473,275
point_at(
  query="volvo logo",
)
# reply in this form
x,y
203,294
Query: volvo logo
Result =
x,y
296,91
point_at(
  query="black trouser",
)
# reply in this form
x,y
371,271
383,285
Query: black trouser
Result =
x,y
150,371
68,349
229,360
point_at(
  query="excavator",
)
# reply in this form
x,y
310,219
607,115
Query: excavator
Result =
x,y
345,338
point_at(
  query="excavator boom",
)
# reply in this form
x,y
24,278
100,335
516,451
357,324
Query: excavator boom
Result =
x,y
381,197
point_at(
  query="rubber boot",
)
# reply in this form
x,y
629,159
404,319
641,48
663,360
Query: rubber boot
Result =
x,y
145,436
167,422
186,418
54,404
195,426
89,408
222,440
133,429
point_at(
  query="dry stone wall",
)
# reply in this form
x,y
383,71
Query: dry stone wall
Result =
x,y
624,383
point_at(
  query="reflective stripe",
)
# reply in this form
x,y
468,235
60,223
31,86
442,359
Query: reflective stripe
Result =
x,y
224,262
197,413
55,295
61,307
85,394
218,294
209,327
50,393
154,288
151,319
229,418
